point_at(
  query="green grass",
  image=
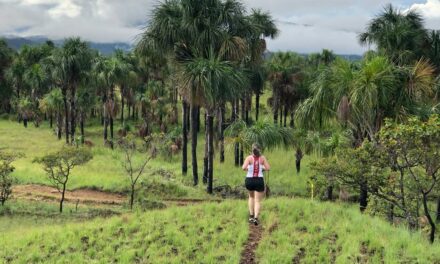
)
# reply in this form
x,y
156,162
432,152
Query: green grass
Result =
x,y
315,232
168,236
324,232
105,172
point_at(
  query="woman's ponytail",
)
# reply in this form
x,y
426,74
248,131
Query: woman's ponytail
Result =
x,y
256,150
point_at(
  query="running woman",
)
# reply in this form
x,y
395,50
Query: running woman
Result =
x,y
255,164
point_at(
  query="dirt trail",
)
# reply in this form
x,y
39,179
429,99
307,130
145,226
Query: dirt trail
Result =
x,y
85,196
46,193
248,253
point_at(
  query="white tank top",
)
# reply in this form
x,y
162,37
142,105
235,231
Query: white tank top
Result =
x,y
255,169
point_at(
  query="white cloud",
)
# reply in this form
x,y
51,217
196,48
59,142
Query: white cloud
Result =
x,y
332,24
65,8
430,9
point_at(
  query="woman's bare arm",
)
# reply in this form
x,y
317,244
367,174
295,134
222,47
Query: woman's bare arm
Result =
x,y
245,164
266,164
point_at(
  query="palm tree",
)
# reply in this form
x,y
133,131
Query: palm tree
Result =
x,y
186,27
53,103
214,81
400,36
69,67
6,56
285,74
36,78
267,135
15,74
75,62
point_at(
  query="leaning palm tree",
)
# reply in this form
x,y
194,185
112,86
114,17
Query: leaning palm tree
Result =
x,y
214,81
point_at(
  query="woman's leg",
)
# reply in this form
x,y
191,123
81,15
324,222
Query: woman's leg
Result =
x,y
251,202
258,197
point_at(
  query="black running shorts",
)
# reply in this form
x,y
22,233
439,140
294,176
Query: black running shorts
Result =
x,y
255,184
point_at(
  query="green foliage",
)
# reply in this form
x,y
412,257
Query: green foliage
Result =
x,y
266,134
6,179
59,165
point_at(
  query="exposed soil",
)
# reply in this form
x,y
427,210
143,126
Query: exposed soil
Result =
x,y
46,193
85,196
248,253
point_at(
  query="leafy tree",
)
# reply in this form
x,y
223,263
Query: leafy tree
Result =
x,y
6,180
412,148
59,165
133,167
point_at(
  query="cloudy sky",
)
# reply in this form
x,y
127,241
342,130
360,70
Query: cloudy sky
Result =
x,y
306,25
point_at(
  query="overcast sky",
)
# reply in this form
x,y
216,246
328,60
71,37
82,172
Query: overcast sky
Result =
x,y
305,25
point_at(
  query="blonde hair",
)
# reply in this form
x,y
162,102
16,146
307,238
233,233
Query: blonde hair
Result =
x,y
256,150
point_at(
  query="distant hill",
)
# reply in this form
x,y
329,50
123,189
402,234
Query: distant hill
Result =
x,y
105,48
349,57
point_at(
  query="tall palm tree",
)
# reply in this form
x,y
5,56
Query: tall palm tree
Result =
x,y
111,72
69,66
6,56
185,27
53,103
399,35
214,81
286,75
76,62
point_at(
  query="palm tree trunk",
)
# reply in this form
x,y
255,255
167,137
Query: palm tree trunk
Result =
x,y
210,128
243,109
438,210
292,119
129,109
275,115
363,196
66,115
222,130
198,119
330,193
257,105
105,118
59,125
111,131
51,120
72,114
194,119
184,137
241,161
236,145
205,157
81,124
122,108
285,116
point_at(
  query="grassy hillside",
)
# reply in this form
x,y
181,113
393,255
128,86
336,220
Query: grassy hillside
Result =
x,y
168,236
105,171
295,230
302,231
